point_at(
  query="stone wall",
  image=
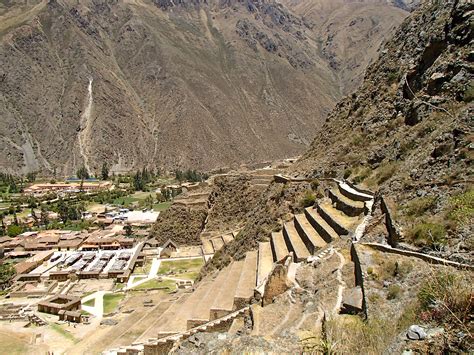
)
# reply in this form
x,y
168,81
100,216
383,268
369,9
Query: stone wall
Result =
x,y
277,283
359,276
394,235
428,258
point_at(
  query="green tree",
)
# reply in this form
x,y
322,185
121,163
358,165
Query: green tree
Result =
x,y
31,177
36,221
44,216
82,173
128,230
62,210
6,273
13,230
105,171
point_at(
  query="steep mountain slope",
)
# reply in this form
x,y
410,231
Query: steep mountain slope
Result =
x,y
184,83
350,32
408,131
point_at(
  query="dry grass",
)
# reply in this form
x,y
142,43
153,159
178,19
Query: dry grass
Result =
x,y
351,335
448,298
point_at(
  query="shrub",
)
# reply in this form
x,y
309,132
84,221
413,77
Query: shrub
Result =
x,y
394,291
461,208
447,297
315,184
308,200
429,234
468,95
393,76
396,269
420,206
347,173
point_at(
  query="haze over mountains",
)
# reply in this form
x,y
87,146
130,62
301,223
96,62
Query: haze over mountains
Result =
x,y
177,83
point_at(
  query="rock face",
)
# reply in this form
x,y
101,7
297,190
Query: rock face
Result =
x,y
410,127
170,83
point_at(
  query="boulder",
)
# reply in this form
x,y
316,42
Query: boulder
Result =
x,y
415,332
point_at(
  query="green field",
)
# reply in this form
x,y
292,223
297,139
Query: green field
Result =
x,y
170,285
163,206
90,303
59,329
185,269
111,302
145,269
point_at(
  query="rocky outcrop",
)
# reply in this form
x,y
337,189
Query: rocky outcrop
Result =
x,y
411,127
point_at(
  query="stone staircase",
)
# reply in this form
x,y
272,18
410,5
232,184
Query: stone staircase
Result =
x,y
211,245
303,238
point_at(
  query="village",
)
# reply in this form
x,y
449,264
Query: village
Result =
x,y
70,274
78,277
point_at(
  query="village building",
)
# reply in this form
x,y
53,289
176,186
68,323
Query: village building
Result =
x,y
60,304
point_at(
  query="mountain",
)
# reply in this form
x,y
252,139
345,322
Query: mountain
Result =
x,y
175,84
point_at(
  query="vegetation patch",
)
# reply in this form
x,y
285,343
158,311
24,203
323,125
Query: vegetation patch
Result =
x,y
165,285
394,292
309,199
429,234
418,207
447,298
180,266
111,302
59,329
89,303
351,335
461,208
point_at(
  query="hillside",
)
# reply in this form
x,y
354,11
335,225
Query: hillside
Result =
x,y
411,131
152,83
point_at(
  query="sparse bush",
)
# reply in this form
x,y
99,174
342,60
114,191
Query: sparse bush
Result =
x,y
420,206
315,184
397,269
468,95
385,172
394,291
374,298
447,297
308,200
428,234
347,173
461,208
393,76
362,175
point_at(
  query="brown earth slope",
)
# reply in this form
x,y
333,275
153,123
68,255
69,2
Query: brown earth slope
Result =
x,y
199,85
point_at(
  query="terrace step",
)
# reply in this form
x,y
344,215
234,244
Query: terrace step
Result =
x,y
227,238
294,242
248,280
217,243
339,221
352,193
179,323
280,251
224,300
349,207
207,247
320,225
265,261
168,316
201,312
309,235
